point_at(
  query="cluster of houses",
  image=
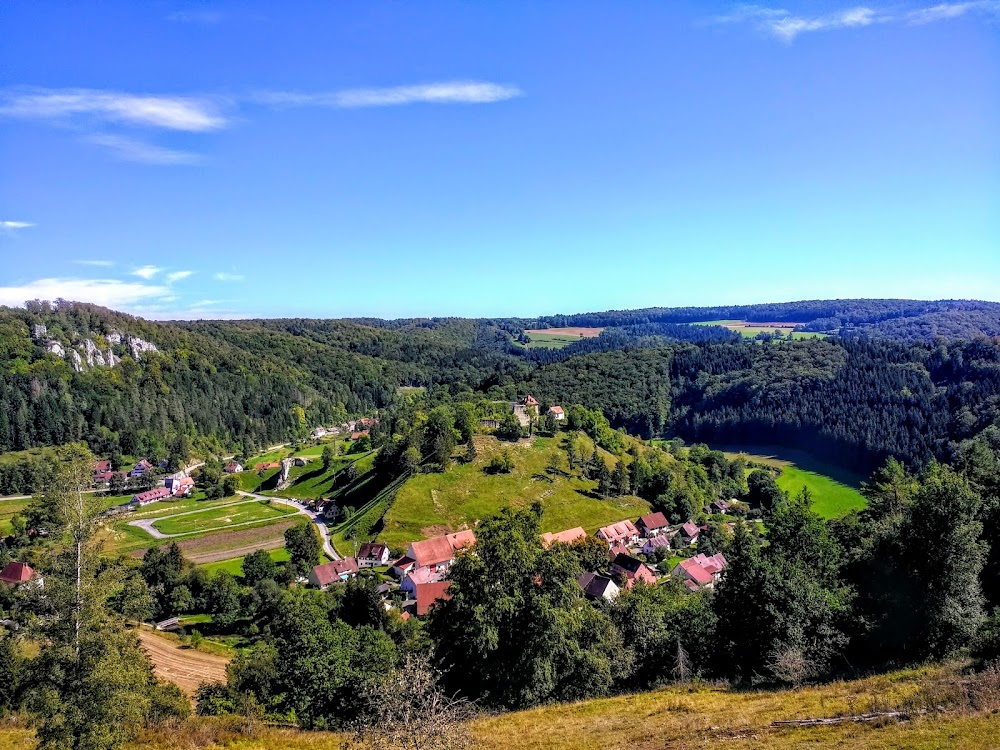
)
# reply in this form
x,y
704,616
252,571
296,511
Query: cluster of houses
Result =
x,y
422,571
353,429
174,486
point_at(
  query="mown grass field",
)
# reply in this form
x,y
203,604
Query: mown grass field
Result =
x,y
834,490
429,504
235,565
9,509
213,519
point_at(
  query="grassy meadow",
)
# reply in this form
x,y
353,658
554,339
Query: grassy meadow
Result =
x,y
750,330
213,519
834,490
429,504
557,338
234,566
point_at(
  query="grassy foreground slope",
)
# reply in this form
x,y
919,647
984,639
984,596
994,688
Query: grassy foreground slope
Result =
x,y
688,718
430,504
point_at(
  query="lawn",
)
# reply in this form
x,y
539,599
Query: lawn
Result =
x,y
235,565
429,504
834,490
226,516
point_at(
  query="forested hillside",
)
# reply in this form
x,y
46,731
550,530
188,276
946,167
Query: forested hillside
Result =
x,y
71,372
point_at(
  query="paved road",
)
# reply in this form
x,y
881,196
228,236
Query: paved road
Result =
x,y
317,518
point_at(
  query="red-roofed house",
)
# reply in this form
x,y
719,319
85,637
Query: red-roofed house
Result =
x,y
332,572
233,468
418,577
634,571
656,542
430,594
529,401
18,573
700,571
372,555
438,552
151,496
617,549
623,531
557,413
102,466
141,469
403,565
689,533
566,537
653,524
357,435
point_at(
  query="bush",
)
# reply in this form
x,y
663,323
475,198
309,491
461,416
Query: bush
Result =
x,y
502,464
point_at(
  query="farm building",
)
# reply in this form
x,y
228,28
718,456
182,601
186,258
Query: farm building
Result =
x,y
438,552
596,586
141,469
151,496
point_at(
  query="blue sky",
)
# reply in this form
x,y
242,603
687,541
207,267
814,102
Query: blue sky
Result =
x,y
469,158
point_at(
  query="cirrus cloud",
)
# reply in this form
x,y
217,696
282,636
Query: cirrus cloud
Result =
x,y
447,92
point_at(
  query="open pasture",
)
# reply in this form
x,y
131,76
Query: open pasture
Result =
x,y
557,338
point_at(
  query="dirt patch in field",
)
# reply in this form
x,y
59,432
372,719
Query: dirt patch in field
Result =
x,y
229,544
185,667
572,331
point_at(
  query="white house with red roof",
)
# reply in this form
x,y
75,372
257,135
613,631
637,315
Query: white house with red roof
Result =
x,y
179,486
624,532
701,571
233,468
151,496
557,413
336,571
689,532
373,555
141,469
438,553
653,524
633,571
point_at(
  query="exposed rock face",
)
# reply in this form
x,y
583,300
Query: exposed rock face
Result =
x,y
95,358
54,347
39,332
114,338
77,360
138,346
286,467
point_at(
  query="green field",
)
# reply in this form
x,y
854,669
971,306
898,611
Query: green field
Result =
x,y
834,490
310,481
235,566
749,330
222,517
550,340
9,509
429,504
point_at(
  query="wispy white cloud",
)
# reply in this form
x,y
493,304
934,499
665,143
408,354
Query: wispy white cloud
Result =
x,y
448,92
225,276
130,149
106,292
208,17
100,263
178,275
788,26
146,272
12,225
187,113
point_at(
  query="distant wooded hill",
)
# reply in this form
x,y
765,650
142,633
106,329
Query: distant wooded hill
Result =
x,y
898,377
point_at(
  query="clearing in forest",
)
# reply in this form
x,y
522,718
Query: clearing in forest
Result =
x,y
557,338
834,490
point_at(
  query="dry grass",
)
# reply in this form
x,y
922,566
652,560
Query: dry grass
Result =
x,y
961,713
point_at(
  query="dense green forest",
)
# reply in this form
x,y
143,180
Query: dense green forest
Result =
x,y
243,384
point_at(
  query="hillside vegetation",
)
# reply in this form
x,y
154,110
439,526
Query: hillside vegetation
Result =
x,y
430,504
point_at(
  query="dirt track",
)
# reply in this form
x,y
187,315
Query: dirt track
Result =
x,y
185,667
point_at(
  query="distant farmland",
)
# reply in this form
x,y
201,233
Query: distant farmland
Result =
x,y
750,329
557,338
